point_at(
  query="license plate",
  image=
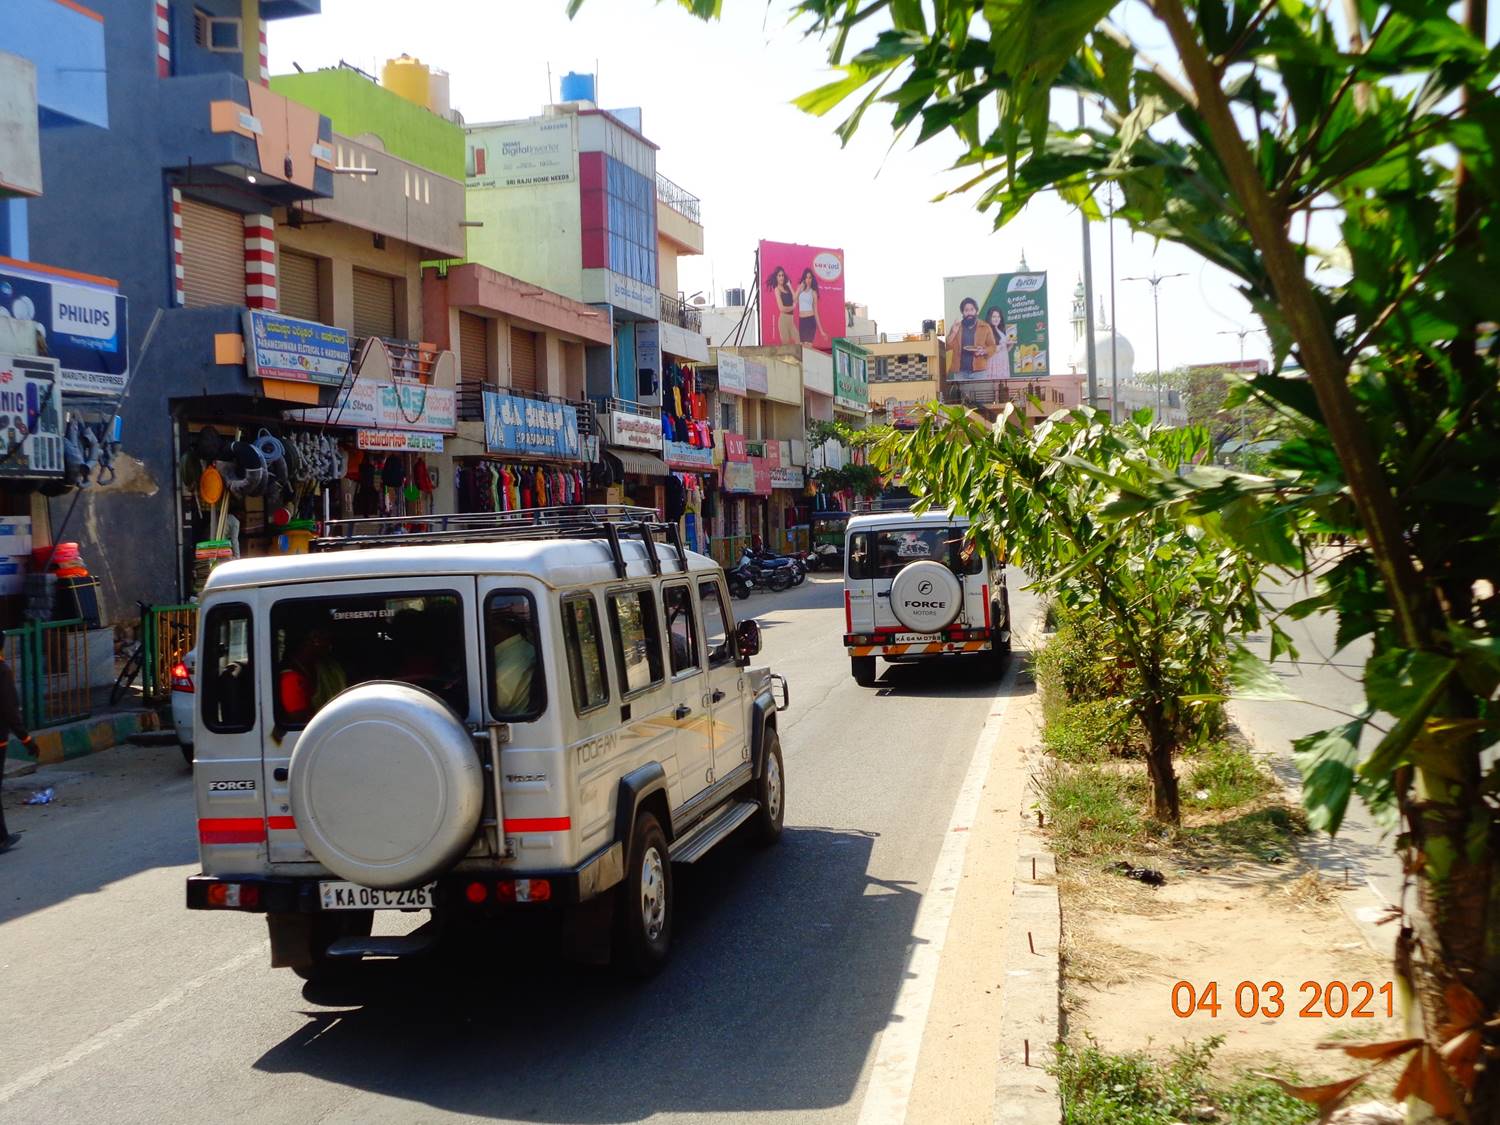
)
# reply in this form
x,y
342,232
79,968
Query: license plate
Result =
x,y
351,896
917,638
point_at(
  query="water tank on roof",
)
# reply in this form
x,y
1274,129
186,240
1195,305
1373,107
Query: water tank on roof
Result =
x,y
577,87
408,77
437,93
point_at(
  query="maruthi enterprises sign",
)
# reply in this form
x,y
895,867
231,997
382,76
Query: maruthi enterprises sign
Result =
x,y
82,326
282,347
529,427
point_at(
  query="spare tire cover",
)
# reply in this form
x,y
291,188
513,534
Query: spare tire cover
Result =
x,y
386,786
926,596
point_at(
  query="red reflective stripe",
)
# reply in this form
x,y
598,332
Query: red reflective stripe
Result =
x,y
282,823
539,824
848,614
984,592
231,830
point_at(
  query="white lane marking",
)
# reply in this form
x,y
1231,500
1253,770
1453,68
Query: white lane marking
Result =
x,y
895,1069
117,1031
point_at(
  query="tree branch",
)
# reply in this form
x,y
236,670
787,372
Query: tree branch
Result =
x,y
1251,28
1326,367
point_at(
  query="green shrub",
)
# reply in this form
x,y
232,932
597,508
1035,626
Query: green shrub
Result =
x,y
1099,1088
1076,665
1089,732
1093,809
1229,776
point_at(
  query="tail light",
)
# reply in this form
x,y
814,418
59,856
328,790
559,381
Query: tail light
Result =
x,y
182,679
234,896
984,596
848,613
523,890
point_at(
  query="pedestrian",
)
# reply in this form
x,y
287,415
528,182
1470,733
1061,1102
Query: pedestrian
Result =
x,y
12,722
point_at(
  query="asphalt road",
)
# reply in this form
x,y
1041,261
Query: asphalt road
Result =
x,y
120,1005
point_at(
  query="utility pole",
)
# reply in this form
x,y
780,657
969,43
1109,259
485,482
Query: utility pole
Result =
x,y
1241,333
1155,281
1114,319
1088,295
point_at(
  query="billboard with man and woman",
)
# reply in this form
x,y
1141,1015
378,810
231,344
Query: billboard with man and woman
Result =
x,y
997,326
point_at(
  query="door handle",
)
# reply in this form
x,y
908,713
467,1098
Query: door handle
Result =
x,y
883,594
716,697
682,712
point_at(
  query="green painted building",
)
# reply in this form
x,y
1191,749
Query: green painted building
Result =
x,y
358,106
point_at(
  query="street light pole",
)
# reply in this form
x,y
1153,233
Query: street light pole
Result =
x,y
1114,321
1241,333
1088,295
1155,281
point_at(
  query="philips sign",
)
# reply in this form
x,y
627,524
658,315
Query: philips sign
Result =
x,y
84,327
89,313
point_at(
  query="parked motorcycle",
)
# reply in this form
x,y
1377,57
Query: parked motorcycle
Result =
x,y
769,560
825,556
750,575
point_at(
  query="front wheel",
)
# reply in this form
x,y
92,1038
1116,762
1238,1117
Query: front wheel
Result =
x,y
863,669
127,676
770,793
643,915
778,580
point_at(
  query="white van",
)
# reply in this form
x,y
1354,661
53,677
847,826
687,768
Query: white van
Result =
x,y
505,712
914,589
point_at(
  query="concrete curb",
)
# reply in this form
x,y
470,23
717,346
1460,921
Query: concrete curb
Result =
x,y
78,740
1025,1092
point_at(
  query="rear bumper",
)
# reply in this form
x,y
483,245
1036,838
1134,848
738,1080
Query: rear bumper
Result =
x,y
281,894
936,648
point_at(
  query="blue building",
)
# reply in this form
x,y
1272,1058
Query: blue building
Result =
x,y
164,155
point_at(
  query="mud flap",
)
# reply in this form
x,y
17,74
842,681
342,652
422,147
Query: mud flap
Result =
x,y
587,928
291,940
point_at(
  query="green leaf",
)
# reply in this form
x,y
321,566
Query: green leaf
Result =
x,y
1251,678
1327,761
1398,681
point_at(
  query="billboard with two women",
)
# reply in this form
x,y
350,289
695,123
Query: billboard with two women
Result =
x,y
997,326
801,295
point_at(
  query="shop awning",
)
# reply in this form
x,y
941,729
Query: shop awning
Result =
x,y
634,461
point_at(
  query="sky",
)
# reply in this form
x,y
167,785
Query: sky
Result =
x,y
716,98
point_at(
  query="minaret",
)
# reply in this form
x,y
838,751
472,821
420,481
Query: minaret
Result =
x,y
1024,268
1080,313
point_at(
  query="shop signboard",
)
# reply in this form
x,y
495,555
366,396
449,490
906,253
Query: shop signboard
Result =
x,y
528,426
283,347
81,325
635,431
757,379
386,406
802,295
522,153
786,476
732,373
739,476
605,286
31,441
400,441
762,474
681,455
735,446
986,307
648,356
851,381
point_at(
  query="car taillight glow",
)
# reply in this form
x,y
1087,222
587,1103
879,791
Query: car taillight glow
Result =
x,y
234,896
848,613
476,893
182,679
505,891
524,890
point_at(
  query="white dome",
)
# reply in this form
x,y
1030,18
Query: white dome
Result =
x,y
1079,360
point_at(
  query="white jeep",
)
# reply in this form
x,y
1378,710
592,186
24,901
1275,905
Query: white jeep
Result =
x,y
475,715
917,588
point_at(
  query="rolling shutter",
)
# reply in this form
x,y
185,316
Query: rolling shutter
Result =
x,y
473,348
522,360
297,285
374,304
213,255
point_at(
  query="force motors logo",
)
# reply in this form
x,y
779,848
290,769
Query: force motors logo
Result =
x,y
925,605
245,786
925,588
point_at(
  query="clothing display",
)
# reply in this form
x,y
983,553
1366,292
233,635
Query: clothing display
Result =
x,y
684,410
491,486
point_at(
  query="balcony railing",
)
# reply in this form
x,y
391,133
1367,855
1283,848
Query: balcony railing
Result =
x,y
678,198
410,361
676,312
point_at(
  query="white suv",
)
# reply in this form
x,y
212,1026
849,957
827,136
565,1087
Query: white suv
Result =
x,y
916,589
502,713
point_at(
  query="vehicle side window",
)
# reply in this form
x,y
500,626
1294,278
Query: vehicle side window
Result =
x,y
682,635
637,635
226,670
518,689
859,556
715,625
585,647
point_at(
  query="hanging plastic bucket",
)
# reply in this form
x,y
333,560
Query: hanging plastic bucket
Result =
x,y
297,538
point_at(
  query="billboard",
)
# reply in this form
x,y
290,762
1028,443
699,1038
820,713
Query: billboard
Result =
x,y
542,150
283,347
82,326
31,419
801,295
1006,334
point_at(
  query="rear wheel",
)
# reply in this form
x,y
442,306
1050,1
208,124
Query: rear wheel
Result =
x,y
778,580
863,669
323,931
643,915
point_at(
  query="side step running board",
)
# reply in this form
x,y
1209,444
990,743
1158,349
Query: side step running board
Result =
x,y
698,842
421,940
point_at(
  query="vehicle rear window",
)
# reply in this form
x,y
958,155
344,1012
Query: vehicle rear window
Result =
x,y
584,641
517,687
226,670
682,634
883,553
320,646
637,636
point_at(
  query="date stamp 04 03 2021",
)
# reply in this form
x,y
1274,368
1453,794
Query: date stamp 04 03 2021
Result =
x,y
1270,1000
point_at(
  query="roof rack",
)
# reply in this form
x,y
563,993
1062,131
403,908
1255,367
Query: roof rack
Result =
x,y
611,522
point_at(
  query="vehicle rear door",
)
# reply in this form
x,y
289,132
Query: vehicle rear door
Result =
x,y
726,680
320,638
859,587
231,794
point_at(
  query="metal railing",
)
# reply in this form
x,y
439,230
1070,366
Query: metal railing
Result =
x,y
168,633
50,660
678,198
676,312
411,361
